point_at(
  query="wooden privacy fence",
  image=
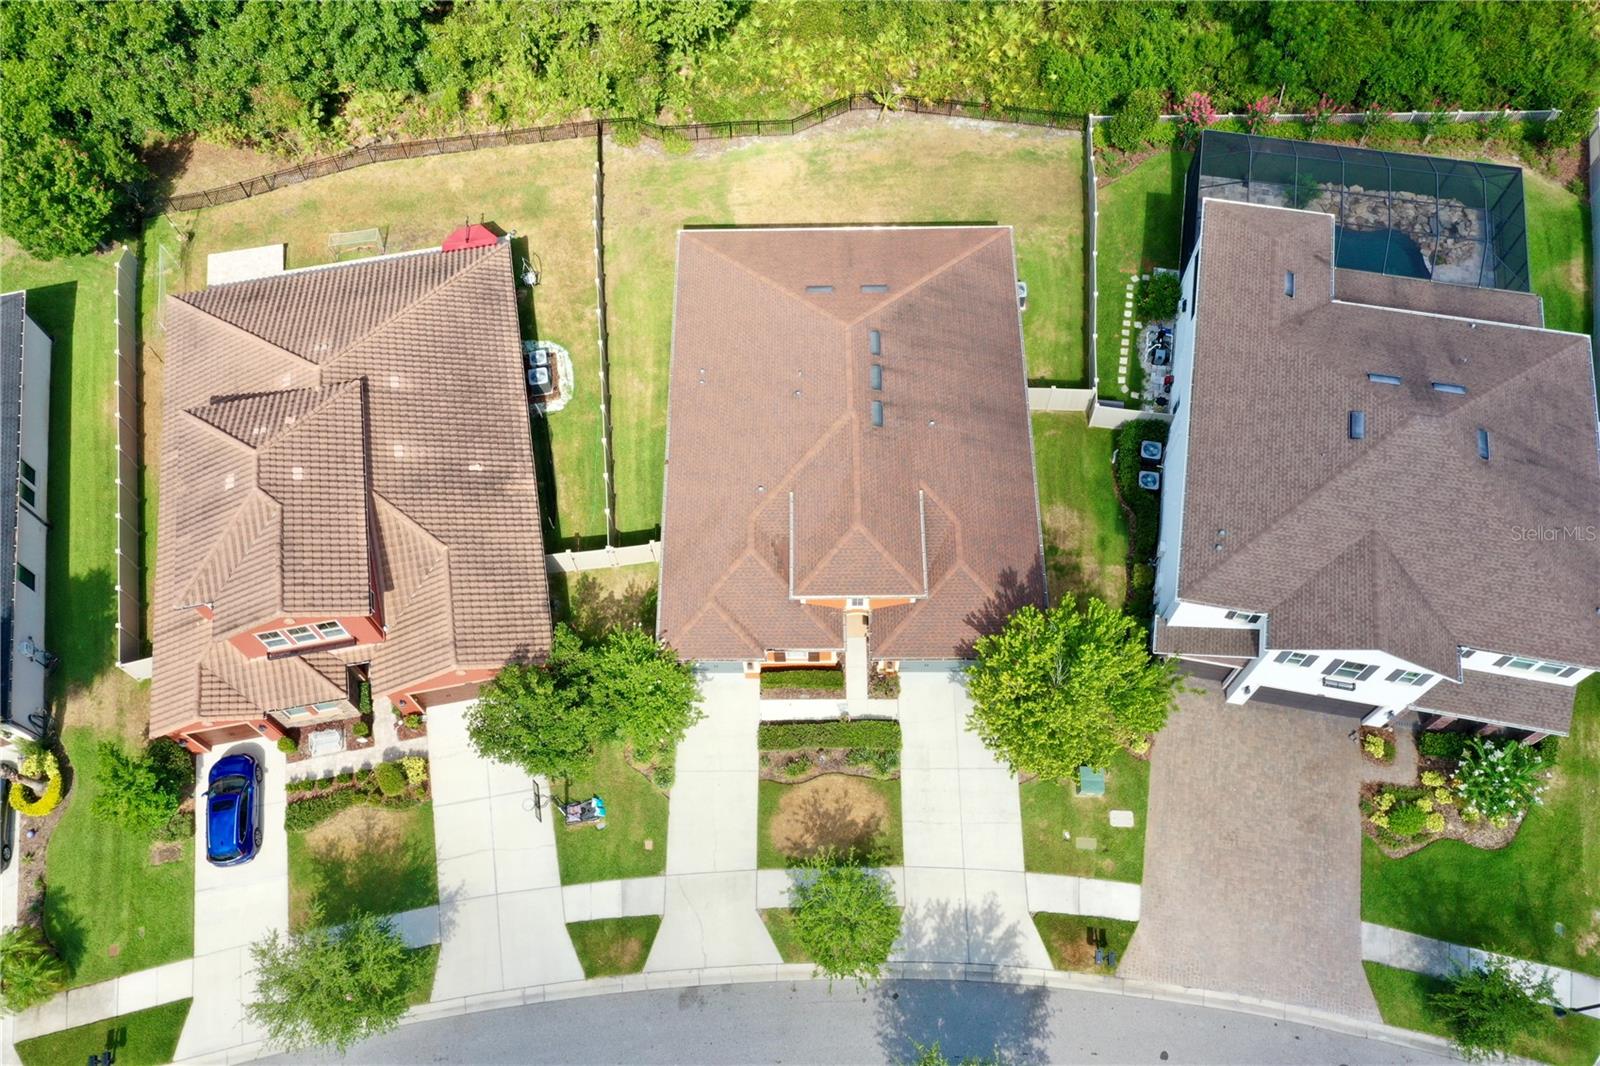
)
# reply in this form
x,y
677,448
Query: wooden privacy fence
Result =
x,y
695,131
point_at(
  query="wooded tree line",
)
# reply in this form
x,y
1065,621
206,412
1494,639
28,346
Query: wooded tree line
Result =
x,y
85,86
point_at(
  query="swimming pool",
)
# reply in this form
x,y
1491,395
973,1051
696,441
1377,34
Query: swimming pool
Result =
x,y
1366,249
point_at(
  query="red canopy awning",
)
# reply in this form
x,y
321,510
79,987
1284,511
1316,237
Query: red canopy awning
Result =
x,y
473,236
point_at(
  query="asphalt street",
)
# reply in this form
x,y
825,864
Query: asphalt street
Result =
x,y
806,1023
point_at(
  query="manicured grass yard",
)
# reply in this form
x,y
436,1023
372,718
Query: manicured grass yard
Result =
x,y
1066,938
1051,807
422,991
614,946
365,859
847,813
780,926
1141,212
1559,257
1085,534
543,192
143,1038
1403,1001
902,170
107,910
636,813
1510,900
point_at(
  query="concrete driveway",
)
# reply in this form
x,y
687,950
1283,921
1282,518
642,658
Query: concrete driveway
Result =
x,y
966,894
1252,879
501,920
235,906
710,917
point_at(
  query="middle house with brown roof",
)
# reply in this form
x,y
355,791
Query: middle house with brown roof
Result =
x,y
849,459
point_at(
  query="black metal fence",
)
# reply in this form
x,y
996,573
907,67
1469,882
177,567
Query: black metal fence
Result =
x,y
696,131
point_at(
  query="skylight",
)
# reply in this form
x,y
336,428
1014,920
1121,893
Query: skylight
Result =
x,y
877,412
1384,379
819,289
1453,390
1358,425
875,342
874,288
1483,445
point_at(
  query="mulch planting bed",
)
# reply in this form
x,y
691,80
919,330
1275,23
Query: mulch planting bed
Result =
x,y
1480,834
823,761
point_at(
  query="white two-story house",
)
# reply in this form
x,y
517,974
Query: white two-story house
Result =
x,y
24,465
1381,493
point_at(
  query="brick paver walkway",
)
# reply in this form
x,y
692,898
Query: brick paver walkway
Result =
x,y
1252,880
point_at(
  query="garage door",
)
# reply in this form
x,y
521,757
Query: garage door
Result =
x,y
226,735
1300,701
441,696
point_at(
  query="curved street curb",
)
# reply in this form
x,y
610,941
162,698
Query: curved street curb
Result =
x,y
905,971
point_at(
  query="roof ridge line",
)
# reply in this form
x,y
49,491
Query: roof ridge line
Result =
x,y
769,282
235,327
930,275
427,294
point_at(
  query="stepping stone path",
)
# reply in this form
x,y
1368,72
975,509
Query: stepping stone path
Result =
x,y
1130,331
1122,819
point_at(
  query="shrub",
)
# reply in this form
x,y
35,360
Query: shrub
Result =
x,y
797,765
1194,115
884,761
305,814
1487,1009
1444,746
1146,506
1442,796
1258,112
391,779
179,827
663,776
1549,748
30,970
1386,801
364,698
837,733
1374,745
360,729
1426,803
416,770
1432,778
1435,823
1407,820
883,685
23,800
1499,780
130,793
624,134
676,143
287,745
1380,819
173,765
1156,298
1130,127
412,721
804,677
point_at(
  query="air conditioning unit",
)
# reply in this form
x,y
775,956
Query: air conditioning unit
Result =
x,y
1149,479
1150,450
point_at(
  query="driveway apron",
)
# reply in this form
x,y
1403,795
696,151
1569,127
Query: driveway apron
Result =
x,y
966,895
1252,879
710,917
502,923
235,906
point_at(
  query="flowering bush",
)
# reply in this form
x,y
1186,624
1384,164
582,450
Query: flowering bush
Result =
x,y
1443,797
1319,115
1498,781
1435,823
1258,113
1432,779
1195,114
1385,801
1374,745
416,768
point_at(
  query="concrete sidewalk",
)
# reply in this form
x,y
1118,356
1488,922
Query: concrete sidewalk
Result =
x,y
709,918
966,894
502,922
1420,954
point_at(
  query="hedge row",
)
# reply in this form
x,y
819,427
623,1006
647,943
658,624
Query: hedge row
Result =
x,y
870,733
803,677
1146,505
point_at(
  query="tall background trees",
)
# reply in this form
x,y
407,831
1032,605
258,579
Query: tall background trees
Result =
x,y
85,86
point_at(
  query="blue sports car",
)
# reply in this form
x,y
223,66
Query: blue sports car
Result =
x,y
233,810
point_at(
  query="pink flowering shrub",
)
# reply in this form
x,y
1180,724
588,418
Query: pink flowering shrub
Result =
x,y
1195,114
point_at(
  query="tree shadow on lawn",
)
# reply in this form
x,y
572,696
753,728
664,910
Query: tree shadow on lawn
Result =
x,y
64,927
978,1019
831,820
367,860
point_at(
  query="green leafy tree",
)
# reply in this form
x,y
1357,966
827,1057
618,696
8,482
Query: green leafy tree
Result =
x,y
640,683
1486,1009
130,791
30,970
332,986
1156,298
1059,689
1132,125
846,918
535,717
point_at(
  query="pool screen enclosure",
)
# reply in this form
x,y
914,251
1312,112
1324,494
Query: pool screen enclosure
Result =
x,y
1417,216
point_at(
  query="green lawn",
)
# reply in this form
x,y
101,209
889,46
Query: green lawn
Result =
x,y
899,171
780,926
830,820
543,192
143,1038
1403,1001
1085,534
422,990
1141,213
636,814
1050,807
612,946
365,859
107,910
1559,257
1512,899
1066,938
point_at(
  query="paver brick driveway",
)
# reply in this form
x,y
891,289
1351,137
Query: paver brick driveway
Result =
x,y
1252,878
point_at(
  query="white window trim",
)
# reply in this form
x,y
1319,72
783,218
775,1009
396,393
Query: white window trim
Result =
x,y
331,630
1354,669
303,635
274,640
1298,658
1410,677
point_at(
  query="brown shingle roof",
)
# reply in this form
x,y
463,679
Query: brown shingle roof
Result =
x,y
328,428
1419,294
776,476
1232,643
1405,540
1487,697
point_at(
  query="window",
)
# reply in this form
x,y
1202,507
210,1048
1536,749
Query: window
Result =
x,y
1521,664
1350,671
1300,658
1409,677
302,634
328,705
332,631
1549,668
273,639
1483,445
295,712
819,289
25,576
29,474
1358,425
1449,388
25,491
877,412
1243,616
